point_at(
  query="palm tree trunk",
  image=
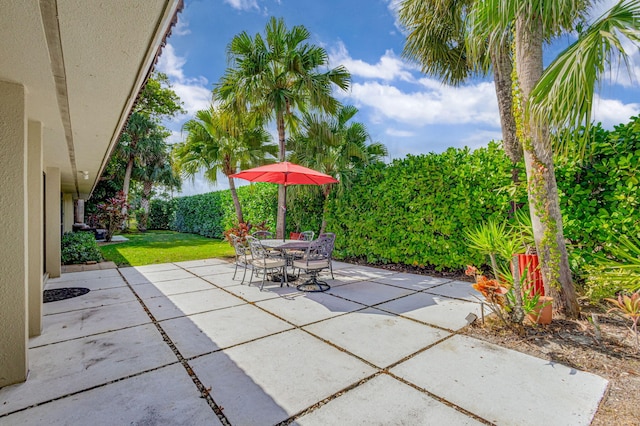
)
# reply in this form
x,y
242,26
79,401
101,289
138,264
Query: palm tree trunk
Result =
x,y
236,200
325,192
502,68
125,184
546,216
144,203
281,190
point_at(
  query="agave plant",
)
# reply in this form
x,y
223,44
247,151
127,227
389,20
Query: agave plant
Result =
x,y
629,307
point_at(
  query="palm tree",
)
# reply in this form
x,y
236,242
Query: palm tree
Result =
x,y
221,141
276,75
333,146
141,137
436,40
155,169
534,22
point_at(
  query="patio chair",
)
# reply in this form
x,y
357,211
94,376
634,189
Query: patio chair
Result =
x,y
306,236
317,258
262,235
331,237
266,262
243,256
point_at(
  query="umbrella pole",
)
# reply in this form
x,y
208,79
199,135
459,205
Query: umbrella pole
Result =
x,y
284,231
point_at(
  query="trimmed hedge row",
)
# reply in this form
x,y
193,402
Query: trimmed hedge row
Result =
x,y
600,195
211,213
416,210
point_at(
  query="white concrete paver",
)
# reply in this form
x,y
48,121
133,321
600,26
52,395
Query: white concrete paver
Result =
x,y
92,299
177,286
85,322
91,284
432,309
200,262
194,302
209,331
376,336
63,368
410,281
218,269
308,308
86,275
384,400
504,386
368,293
168,275
224,278
456,290
268,380
156,268
165,396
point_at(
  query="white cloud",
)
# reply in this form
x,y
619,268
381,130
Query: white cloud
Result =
x,y
389,67
611,112
243,4
194,92
181,28
399,133
435,104
618,72
393,6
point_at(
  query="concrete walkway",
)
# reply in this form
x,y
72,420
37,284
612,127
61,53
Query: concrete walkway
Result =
x,y
184,344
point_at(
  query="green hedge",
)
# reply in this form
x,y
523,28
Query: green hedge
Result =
x,y
416,210
600,195
161,214
210,214
79,247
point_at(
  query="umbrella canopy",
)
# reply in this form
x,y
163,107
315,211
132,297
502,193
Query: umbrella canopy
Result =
x,y
286,174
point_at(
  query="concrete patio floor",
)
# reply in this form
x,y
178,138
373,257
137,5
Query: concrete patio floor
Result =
x,y
184,344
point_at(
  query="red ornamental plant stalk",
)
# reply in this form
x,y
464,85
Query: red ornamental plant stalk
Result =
x,y
110,214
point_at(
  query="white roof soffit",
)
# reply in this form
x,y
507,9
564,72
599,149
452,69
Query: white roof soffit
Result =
x,y
82,64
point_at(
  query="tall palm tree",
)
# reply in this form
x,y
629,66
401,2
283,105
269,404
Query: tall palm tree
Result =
x,y
534,22
335,146
436,40
141,137
276,76
222,141
155,169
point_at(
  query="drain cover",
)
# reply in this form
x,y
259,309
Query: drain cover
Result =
x,y
63,293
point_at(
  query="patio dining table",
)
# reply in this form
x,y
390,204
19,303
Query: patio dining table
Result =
x,y
285,246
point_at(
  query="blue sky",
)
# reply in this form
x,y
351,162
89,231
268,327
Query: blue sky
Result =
x,y
411,113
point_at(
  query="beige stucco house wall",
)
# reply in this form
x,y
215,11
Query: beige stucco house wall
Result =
x,y
70,72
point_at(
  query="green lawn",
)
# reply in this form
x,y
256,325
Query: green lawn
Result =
x,y
164,246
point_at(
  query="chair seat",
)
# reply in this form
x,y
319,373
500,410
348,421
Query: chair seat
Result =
x,y
312,264
269,262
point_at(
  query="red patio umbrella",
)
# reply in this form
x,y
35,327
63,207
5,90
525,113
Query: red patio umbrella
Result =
x,y
285,173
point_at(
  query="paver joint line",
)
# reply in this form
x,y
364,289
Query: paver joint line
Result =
x,y
442,400
201,388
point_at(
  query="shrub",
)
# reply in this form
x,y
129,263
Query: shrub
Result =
x,y
161,214
110,214
80,247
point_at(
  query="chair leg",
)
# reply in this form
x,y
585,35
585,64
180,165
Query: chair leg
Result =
x,y
244,273
235,270
251,278
264,274
331,269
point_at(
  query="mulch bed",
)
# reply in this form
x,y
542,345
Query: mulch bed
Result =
x,y
63,293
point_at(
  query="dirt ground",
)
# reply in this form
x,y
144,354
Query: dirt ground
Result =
x,y
605,347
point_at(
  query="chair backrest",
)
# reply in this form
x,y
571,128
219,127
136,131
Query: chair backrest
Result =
x,y
306,236
233,238
330,237
241,251
320,249
257,250
262,235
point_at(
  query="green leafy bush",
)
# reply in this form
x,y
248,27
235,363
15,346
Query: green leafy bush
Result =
x,y
600,195
80,247
161,214
210,214
416,210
